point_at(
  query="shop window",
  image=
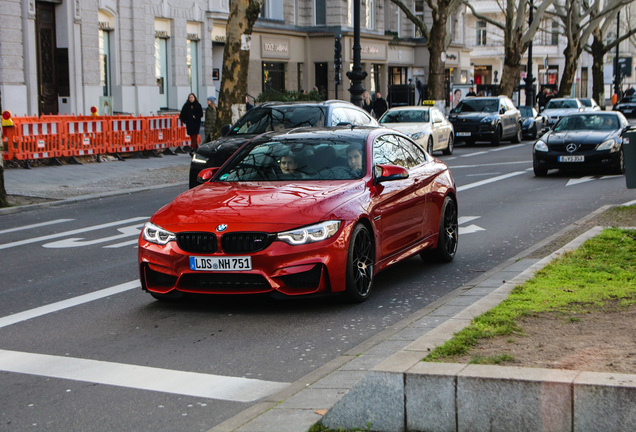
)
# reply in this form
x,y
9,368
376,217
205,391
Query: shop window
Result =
x,y
104,62
192,65
273,76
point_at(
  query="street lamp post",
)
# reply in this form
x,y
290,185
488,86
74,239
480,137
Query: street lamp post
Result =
x,y
617,71
356,75
529,77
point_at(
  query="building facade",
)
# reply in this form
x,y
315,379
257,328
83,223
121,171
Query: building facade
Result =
x,y
146,56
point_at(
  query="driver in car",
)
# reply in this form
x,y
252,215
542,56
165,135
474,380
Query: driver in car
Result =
x,y
354,158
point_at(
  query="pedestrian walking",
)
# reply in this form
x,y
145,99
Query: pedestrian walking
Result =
x,y
366,102
379,105
210,119
191,114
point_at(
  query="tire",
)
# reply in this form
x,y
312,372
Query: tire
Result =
x,y
448,236
619,168
538,171
429,146
360,265
449,148
516,139
534,133
496,138
171,296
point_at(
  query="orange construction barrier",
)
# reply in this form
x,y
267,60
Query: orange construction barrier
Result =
x,y
126,134
85,137
181,137
34,139
159,133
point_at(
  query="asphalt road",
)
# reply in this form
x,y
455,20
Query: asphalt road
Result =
x,y
73,320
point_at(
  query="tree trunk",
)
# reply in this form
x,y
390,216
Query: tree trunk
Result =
x,y
598,52
236,55
436,82
569,70
510,76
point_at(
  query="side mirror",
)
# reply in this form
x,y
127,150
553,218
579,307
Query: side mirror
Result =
x,y
225,130
385,173
206,174
502,110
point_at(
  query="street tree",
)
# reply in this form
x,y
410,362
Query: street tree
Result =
x,y
600,46
437,40
243,14
579,19
517,35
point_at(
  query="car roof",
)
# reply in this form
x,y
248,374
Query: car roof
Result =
x,y
306,103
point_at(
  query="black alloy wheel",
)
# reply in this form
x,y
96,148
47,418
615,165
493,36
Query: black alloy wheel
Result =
x,y
448,237
496,138
516,139
539,171
360,261
619,168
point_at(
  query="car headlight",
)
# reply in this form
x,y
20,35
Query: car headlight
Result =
x,y
310,234
157,235
489,119
611,144
540,146
417,135
197,158
528,122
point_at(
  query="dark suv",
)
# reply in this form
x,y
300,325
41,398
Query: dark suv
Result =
x,y
275,116
486,119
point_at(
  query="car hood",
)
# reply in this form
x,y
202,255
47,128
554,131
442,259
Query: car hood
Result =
x,y
472,115
256,205
580,137
559,111
223,146
408,128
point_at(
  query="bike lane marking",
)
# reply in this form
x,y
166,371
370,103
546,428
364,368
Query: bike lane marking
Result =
x,y
71,232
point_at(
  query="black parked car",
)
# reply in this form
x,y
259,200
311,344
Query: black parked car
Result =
x,y
533,122
491,119
590,140
627,106
272,116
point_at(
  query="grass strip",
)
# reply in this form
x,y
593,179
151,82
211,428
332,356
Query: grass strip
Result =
x,y
601,270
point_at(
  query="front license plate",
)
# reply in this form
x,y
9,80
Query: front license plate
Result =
x,y
463,133
627,111
571,158
238,263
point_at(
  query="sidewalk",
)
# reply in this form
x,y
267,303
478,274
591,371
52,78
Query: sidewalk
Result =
x,y
306,401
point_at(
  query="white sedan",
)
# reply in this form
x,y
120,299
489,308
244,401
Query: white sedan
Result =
x,y
424,124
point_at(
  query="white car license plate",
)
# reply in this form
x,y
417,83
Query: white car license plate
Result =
x,y
627,111
463,133
231,263
571,158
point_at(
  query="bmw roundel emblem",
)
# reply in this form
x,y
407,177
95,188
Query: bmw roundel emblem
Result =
x,y
221,228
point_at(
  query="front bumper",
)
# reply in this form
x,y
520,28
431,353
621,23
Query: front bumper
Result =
x,y
290,270
592,160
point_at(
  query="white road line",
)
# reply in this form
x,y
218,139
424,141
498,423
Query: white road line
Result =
x,y
489,164
38,225
67,233
490,180
139,377
65,304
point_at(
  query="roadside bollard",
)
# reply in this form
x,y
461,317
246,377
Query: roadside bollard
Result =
x,y
629,152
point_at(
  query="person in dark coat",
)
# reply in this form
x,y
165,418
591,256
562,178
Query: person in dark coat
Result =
x,y
471,92
379,105
210,119
191,114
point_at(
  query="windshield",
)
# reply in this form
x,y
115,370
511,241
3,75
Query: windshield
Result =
x,y
477,105
405,116
586,102
561,103
297,159
588,122
526,111
259,120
